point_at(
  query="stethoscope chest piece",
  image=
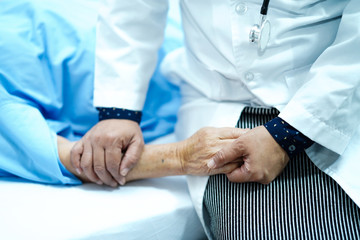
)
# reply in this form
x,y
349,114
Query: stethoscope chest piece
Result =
x,y
260,34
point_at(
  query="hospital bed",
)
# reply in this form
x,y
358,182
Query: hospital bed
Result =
x,y
154,209
148,209
49,45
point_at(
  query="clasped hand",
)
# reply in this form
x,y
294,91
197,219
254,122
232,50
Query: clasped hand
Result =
x,y
243,155
262,159
188,157
108,151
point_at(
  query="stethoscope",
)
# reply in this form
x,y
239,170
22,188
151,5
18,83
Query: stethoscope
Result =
x,y
260,33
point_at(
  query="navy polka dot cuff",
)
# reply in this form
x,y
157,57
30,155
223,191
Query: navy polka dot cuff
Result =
x,y
291,140
119,113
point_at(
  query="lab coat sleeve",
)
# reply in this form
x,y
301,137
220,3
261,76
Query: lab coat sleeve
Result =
x,y
326,108
129,34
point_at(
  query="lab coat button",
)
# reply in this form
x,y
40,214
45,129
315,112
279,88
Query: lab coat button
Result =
x,y
249,76
241,8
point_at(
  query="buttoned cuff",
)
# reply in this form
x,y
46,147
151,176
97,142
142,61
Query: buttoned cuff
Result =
x,y
119,113
290,139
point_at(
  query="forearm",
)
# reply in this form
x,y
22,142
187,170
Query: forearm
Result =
x,y
326,107
158,161
127,50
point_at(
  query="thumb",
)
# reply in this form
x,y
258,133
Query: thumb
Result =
x,y
230,153
131,157
228,168
240,175
231,133
75,155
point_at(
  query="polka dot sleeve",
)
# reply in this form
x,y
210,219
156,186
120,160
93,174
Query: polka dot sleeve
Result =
x,y
291,140
119,113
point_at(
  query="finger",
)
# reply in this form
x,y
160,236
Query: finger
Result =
x,y
86,164
113,158
75,156
131,157
100,166
229,153
223,143
240,175
228,168
231,133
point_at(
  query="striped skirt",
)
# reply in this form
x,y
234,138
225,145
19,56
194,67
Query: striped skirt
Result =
x,y
301,203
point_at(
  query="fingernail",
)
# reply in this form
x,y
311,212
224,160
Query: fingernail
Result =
x,y
114,184
122,182
124,172
99,182
211,164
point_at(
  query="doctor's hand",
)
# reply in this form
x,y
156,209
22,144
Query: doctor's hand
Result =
x,y
108,151
261,156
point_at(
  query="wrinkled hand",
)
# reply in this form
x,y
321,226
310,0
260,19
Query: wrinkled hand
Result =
x,y
262,157
108,151
203,145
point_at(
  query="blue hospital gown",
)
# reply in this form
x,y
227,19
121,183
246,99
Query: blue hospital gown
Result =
x,y
46,85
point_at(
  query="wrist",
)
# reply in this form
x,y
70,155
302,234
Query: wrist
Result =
x,y
182,157
64,148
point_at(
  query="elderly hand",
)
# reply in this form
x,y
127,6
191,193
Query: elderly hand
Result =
x,y
108,151
203,145
261,156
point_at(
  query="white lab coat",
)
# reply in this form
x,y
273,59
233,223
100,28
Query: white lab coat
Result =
x,y
310,70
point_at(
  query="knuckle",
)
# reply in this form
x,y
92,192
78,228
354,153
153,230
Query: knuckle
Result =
x,y
110,164
238,147
96,138
87,138
116,145
220,156
104,139
238,142
204,132
208,131
112,168
112,171
262,177
76,149
109,136
248,170
99,169
86,167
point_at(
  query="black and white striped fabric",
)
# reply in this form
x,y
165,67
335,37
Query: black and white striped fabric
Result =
x,y
301,203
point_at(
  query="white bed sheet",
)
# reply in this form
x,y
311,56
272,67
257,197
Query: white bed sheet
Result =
x,y
145,209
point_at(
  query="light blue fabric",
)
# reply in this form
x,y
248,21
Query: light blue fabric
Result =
x,y
46,75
